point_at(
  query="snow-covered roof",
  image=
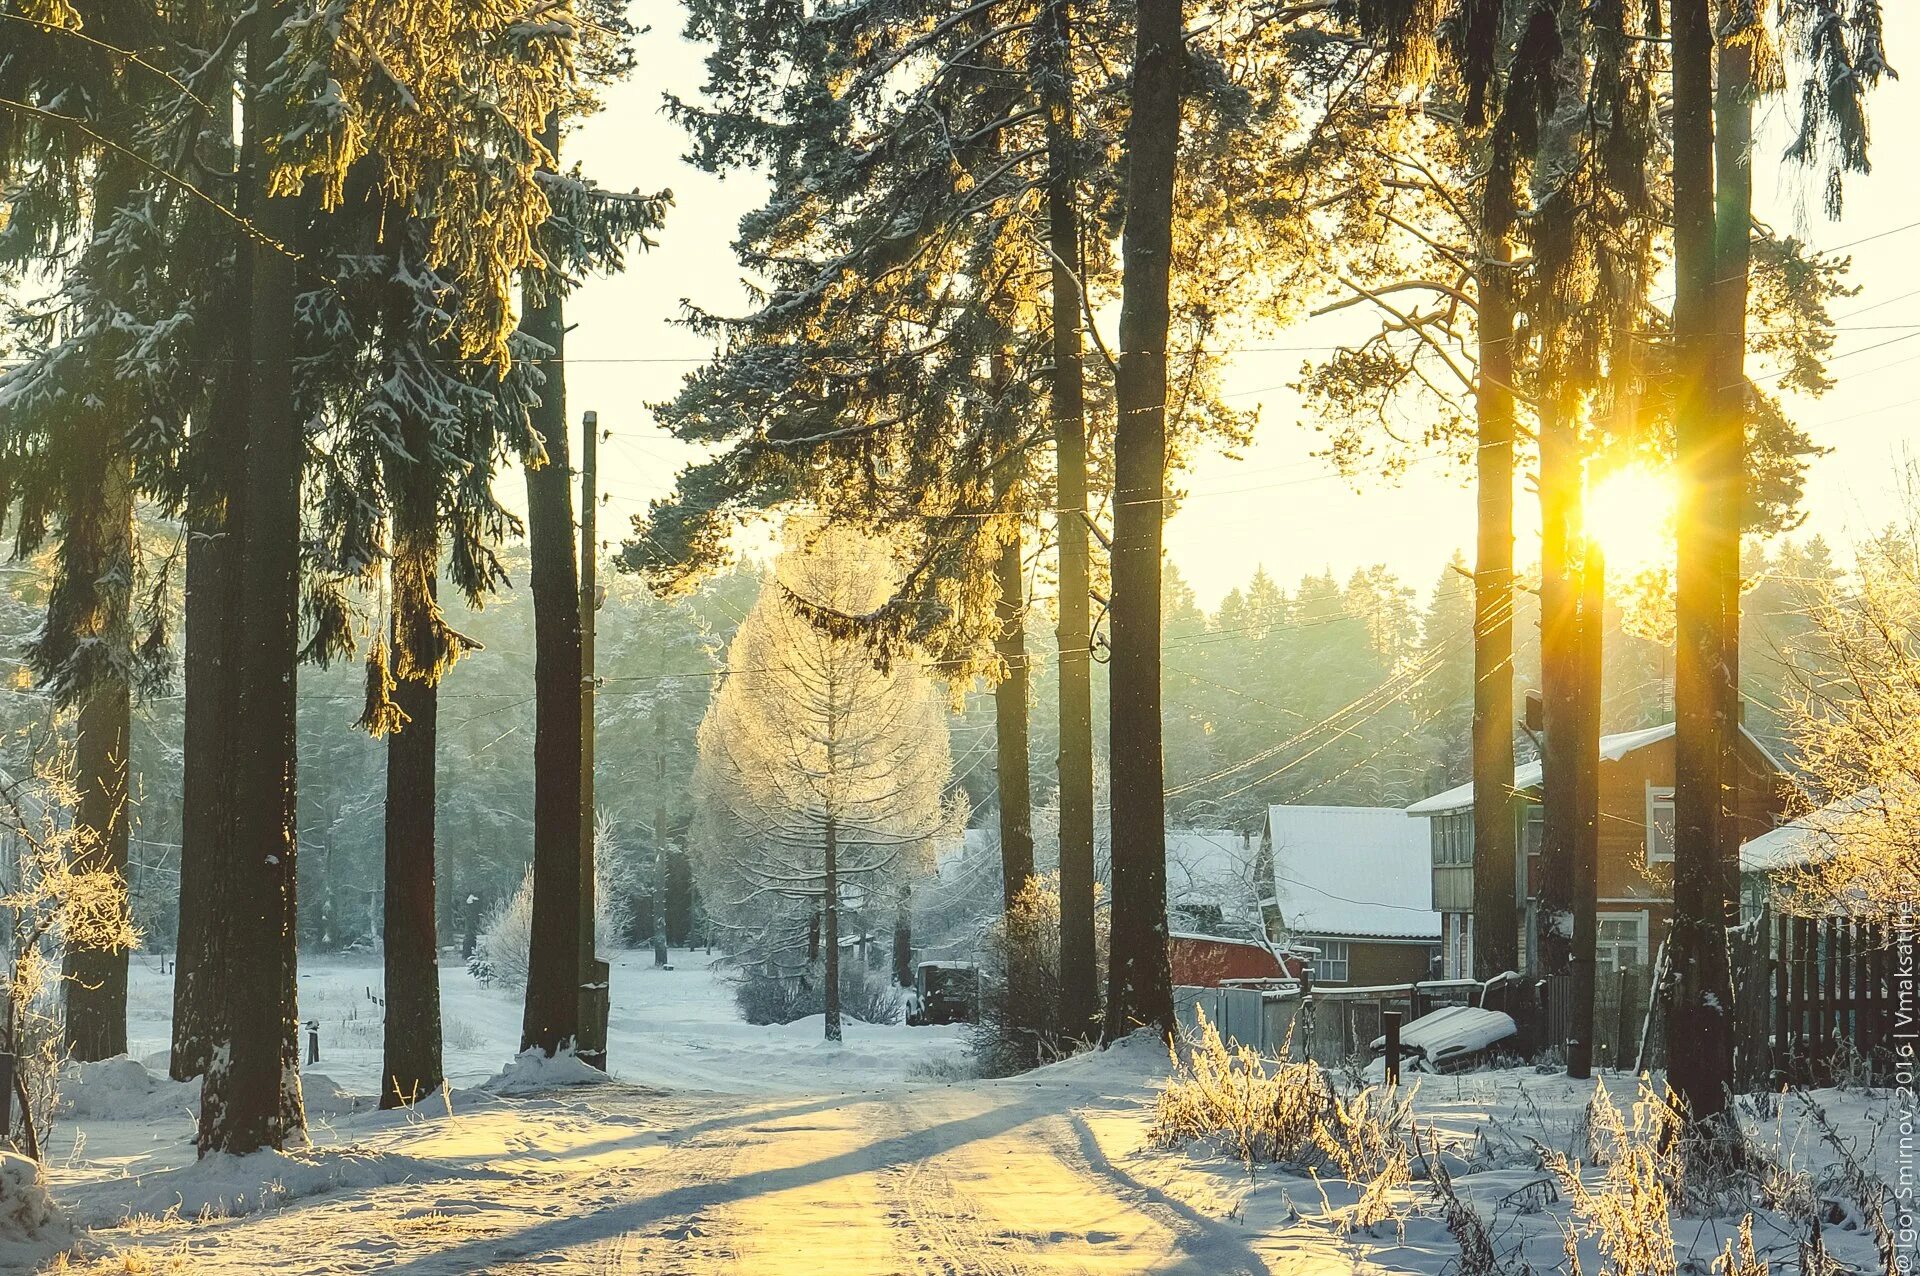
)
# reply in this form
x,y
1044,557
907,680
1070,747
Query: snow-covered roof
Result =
x,y
1361,871
1806,840
1527,776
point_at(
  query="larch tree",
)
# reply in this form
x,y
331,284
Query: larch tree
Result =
x,y
823,774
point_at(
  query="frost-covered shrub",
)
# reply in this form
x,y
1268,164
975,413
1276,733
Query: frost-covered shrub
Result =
x,y
765,999
870,995
1228,1098
500,954
500,951
1629,1209
865,994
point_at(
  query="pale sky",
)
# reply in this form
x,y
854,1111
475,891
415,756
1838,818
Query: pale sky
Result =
x,y
1276,505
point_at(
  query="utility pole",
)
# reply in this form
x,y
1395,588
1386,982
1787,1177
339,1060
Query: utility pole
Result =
x,y
660,876
594,973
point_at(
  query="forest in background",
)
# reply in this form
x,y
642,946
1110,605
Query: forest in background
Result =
x,y
1244,683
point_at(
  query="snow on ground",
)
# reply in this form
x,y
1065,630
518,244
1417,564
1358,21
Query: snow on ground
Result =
x,y
721,1147
673,1028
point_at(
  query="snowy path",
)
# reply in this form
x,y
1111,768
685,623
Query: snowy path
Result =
x,y
718,1148
988,1178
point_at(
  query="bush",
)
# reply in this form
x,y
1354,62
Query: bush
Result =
x,y
1227,1098
865,994
500,950
1019,1026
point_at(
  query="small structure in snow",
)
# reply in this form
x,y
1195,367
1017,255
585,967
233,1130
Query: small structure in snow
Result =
x,y
1448,1039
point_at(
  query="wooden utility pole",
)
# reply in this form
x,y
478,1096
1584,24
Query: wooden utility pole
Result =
x,y
593,974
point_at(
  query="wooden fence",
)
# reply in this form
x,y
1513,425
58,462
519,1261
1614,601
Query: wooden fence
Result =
x,y
1814,998
1338,1029
1831,1000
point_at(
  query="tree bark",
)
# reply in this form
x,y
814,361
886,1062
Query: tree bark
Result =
x,y
1733,254
554,966
1586,800
1699,1019
1011,760
251,1096
830,941
96,979
1139,984
1559,684
412,1064
1496,926
214,531
1079,973
660,872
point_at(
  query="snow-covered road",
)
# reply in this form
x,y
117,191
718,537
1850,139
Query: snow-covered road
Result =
x,y
977,1177
718,1147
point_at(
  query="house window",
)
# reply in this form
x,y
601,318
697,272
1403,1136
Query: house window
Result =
x,y
1622,941
1331,963
1453,839
1659,825
1462,947
1533,829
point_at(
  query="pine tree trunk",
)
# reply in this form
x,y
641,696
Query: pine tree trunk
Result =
x,y
1010,728
1559,684
1699,1022
213,534
1139,984
554,971
1496,925
96,980
1589,668
830,941
412,1065
1079,973
1733,256
251,1096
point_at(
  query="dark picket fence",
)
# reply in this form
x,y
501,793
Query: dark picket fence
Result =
x,y
1814,1002
1831,1001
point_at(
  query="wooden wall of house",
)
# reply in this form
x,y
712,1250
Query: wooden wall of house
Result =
x,y
1626,878
1372,962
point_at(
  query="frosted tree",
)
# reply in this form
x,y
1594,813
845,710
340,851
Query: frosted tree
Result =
x,y
822,776
1855,723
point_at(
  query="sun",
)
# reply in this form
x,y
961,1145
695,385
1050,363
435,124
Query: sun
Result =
x,y
1630,513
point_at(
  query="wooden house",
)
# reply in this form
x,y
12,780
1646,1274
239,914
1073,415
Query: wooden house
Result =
x,y
1351,883
1636,845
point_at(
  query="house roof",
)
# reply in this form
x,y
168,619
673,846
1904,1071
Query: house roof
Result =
x,y
1806,840
1612,749
1359,871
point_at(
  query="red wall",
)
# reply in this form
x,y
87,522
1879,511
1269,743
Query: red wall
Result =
x,y
1206,963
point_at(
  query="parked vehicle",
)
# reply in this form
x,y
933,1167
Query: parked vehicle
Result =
x,y
945,992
